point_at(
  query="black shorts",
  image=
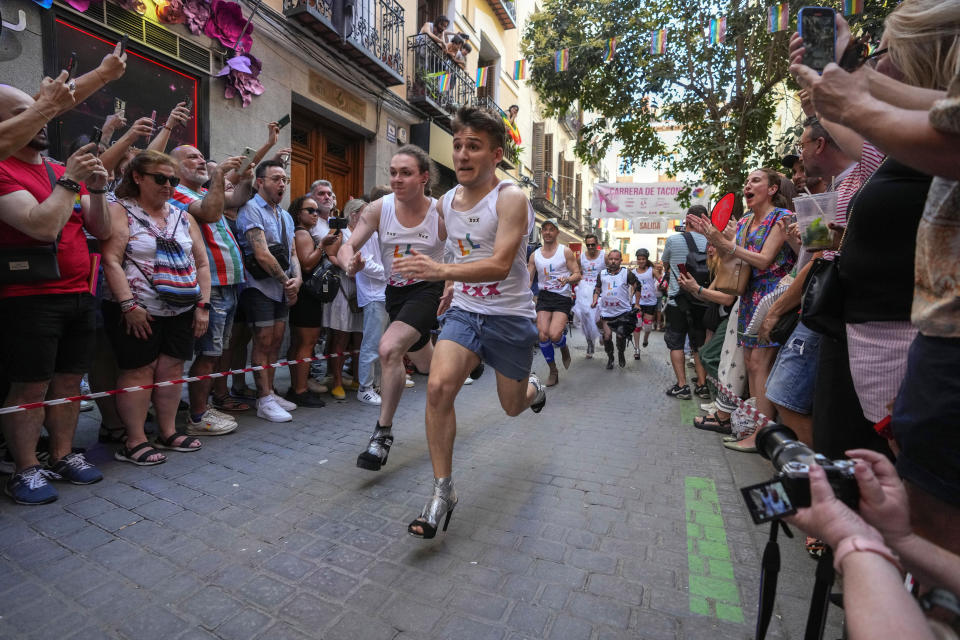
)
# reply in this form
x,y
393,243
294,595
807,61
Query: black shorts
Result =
x,y
47,334
648,309
307,313
550,301
623,324
415,305
684,319
261,311
172,336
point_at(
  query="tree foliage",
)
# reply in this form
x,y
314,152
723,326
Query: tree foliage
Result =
x,y
722,98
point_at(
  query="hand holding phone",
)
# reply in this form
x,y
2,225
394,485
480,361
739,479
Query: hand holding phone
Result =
x,y
248,154
682,268
123,44
818,28
71,64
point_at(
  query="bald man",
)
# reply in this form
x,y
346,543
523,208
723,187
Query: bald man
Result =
x,y
226,271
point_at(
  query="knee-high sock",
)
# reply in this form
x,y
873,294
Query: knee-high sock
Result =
x,y
621,344
608,347
546,348
561,343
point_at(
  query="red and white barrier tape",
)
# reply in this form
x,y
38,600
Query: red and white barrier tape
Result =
x,y
752,412
166,383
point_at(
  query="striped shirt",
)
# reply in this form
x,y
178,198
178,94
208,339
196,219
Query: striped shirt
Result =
x,y
223,252
870,160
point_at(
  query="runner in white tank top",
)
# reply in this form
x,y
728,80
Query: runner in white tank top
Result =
x,y
614,293
557,269
491,313
646,300
588,317
408,224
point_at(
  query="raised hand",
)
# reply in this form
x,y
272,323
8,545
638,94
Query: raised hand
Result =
x,y
113,65
55,95
82,164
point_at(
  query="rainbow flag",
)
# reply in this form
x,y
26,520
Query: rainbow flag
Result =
x,y
658,41
482,76
718,30
520,70
610,50
778,17
852,7
561,60
443,82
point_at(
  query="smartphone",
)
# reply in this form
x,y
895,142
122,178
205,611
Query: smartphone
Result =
x,y
767,501
337,223
248,154
682,268
818,28
284,121
189,103
95,138
119,107
124,39
71,64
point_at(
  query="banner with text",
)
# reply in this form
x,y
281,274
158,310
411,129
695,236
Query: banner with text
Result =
x,y
643,200
660,225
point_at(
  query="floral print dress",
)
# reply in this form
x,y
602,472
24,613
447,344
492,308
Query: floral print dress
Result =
x,y
763,281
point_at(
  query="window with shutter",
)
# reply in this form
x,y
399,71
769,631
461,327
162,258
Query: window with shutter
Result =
x,y
548,153
538,151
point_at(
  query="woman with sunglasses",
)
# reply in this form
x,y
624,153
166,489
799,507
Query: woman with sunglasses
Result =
x,y
151,336
306,316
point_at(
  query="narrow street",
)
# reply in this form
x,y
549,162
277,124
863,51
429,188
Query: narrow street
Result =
x,y
605,516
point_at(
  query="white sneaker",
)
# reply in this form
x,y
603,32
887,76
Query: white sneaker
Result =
x,y
369,396
285,404
409,383
468,381
209,425
226,417
269,409
316,386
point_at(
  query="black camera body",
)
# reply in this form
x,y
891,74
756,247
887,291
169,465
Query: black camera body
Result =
x,y
337,223
789,489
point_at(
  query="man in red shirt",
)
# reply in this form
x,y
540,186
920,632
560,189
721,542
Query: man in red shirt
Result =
x,y
48,339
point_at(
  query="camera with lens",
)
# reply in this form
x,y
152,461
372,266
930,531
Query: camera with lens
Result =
x,y
337,223
789,489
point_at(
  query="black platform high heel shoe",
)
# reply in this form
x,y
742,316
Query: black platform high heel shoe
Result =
x,y
377,451
442,502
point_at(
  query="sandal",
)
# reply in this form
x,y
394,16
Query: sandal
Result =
x,y
815,548
229,403
116,435
183,446
145,451
441,503
712,422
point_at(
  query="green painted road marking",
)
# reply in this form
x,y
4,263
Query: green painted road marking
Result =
x,y
713,587
689,410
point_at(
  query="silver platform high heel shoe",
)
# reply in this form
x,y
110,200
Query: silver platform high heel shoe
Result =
x,y
442,502
377,450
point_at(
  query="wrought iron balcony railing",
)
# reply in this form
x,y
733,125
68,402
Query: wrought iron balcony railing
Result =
x,y
545,197
435,83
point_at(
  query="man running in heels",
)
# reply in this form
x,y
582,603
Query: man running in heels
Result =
x,y
491,317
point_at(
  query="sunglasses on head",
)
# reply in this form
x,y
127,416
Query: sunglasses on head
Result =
x,y
858,53
162,179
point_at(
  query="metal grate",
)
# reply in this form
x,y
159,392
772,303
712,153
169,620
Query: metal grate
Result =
x,y
161,39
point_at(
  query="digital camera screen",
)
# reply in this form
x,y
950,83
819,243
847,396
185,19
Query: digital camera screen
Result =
x,y
818,38
767,501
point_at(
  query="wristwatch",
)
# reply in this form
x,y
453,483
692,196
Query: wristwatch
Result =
x,y
203,305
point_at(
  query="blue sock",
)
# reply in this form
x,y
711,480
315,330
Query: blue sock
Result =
x,y
546,348
560,344
196,416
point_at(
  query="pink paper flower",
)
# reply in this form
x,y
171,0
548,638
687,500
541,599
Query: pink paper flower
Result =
x,y
79,5
170,11
133,5
226,21
239,83
197,13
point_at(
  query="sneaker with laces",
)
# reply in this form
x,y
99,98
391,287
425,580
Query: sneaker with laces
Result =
x,y
209,424
369,396
409,382
541,398
285,404
681,393
702,391
75,469
269,409
220,415
30,486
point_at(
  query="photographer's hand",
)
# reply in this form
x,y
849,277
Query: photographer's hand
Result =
x,y
883,498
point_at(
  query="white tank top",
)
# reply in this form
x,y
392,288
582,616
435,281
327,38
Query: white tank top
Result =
x,y
397,240
590,270
470,237
614,293
647,286
550,270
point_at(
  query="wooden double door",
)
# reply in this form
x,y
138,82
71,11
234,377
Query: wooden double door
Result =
x,y
324,151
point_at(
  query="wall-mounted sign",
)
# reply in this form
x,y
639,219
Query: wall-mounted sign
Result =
x,y
391,131
402,135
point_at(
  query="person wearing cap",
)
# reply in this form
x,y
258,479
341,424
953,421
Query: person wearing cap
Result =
x,y
558,270
646,299
798,175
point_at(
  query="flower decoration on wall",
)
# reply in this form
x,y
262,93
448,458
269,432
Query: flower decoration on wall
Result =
x,y
197,13
170,11
226,23
133,5
242,73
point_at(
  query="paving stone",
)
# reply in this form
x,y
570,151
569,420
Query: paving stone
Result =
x,y
567,627
467,629
529,618
481,605
211,605
354,626
309,613
599,610
406,614
243,626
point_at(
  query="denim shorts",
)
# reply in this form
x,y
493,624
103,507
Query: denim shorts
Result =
x,y
793,377
261,311
503,342
223,305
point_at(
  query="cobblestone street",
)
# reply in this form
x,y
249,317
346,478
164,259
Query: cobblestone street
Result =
x,y
606,516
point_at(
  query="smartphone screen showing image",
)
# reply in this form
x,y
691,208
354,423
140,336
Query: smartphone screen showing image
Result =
x,y
767,501
819,32
682,268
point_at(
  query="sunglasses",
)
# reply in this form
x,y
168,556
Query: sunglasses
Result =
x,y
591,245
858,54
311,210
162,179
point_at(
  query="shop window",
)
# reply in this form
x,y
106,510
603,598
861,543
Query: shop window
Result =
x,y
147,85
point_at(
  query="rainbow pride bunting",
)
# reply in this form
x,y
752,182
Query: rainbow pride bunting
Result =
x,y
443,82
778,17
610,50
482,76
852,7
658,41
718,30
561,60
520,70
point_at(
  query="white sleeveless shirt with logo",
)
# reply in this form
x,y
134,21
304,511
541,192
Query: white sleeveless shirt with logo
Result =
x,y
647,286
470,237
614,293
550,270
397,240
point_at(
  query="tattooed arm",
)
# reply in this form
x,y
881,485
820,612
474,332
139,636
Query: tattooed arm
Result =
x,y
258,243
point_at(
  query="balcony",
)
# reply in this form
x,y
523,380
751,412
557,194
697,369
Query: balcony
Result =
x,y
368,32
506,11
545,198
436,84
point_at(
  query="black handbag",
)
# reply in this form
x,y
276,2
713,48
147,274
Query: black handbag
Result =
x,y
279,251
324,283
782,331
31,263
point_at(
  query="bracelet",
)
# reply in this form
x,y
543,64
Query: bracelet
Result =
x,y
96,191
128,305
45,116
699,290
733,250
100,75
860,543
168,128
69,184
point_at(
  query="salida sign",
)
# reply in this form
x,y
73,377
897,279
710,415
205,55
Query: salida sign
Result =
x,y
638,200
